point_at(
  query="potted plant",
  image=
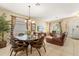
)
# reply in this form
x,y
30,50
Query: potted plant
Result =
x,y
4,27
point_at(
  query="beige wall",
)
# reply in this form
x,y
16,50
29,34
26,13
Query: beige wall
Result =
x,y
65,22
9,13
41,23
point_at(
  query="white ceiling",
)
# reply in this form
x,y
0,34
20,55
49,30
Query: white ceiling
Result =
x,y
46,11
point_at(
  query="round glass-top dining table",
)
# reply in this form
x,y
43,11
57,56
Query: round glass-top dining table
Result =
x,y
26,38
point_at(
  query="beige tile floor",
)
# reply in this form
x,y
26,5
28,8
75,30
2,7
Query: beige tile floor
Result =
x,y
70,48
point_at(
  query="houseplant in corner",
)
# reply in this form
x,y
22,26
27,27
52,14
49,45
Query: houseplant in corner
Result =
x,y
4,27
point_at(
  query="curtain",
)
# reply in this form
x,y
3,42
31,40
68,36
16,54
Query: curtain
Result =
x,y
20,26
13,18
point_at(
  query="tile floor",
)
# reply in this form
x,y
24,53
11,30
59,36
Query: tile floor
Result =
x,y
70,48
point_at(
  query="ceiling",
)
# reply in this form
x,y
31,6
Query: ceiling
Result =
x,y
45,11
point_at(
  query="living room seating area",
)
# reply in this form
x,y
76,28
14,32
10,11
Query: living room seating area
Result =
x,y
57,40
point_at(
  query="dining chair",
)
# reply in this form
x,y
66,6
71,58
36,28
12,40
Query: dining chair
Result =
x,y
38,43
19,46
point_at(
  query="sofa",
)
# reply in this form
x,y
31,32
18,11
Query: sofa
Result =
x,y
57,40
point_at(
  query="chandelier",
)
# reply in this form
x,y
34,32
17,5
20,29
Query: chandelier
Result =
x,y
29,17
29,6
29,12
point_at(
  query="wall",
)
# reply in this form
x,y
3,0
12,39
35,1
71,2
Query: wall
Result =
x,y
65,22
8,16
70,25
67,25
41,23
9,13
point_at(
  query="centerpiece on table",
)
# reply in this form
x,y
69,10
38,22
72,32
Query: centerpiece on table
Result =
x,y
20,34
28,34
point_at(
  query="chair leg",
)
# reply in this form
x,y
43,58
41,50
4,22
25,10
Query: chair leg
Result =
x,y
11,52
23,50
15,53
31,50
44,43
38,51
27,51
44,48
